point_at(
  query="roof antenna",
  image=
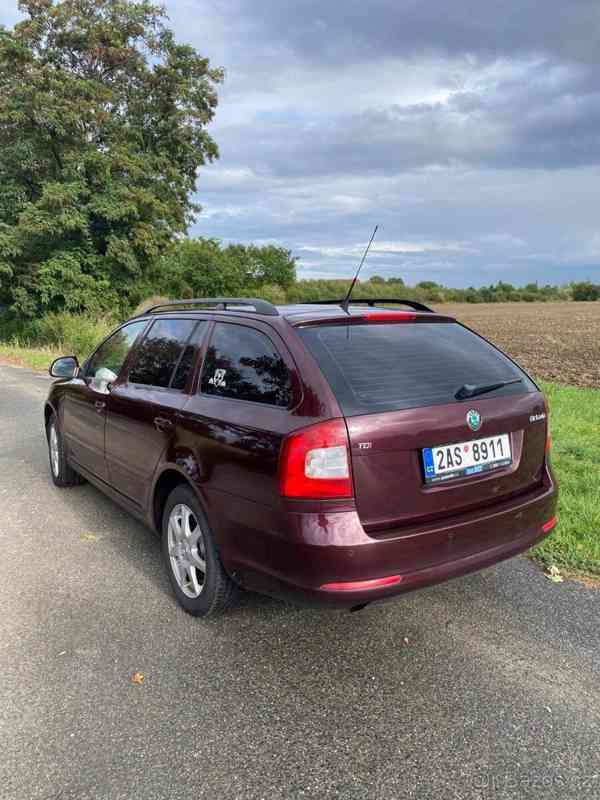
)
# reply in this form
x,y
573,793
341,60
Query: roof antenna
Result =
x,y
346,301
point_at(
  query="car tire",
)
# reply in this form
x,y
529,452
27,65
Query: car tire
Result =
x,y
199,580
62,473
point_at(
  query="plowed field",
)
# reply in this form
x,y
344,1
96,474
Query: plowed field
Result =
x,y
556,341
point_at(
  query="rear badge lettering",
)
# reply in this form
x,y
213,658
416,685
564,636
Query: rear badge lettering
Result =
x,y
537,417
365,445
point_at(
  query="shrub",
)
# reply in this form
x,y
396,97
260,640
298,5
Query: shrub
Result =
x,y
153,300
585,291
14,328
273,293
75,334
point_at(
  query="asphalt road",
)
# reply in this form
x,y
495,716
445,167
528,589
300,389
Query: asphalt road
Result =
x,y
486,687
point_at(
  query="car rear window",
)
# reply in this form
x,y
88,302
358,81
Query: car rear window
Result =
x,y
383,367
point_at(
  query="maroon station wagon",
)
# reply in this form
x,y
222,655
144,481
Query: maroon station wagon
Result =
x,y
325,455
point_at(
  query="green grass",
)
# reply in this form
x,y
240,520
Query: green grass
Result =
x,y
575,456
37,358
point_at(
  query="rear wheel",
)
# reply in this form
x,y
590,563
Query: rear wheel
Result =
x,y
62,473
197,575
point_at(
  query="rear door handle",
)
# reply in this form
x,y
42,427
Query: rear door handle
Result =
x,y
100,405
162,424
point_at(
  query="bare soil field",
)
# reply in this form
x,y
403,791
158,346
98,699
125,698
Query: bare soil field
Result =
x,y
555,341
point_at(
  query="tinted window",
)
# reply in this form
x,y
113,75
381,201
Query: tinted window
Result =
x,y
110,357
387,367
159,354
186,362
243,363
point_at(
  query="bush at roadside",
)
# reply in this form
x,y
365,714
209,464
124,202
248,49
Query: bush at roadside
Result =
x,y
71,334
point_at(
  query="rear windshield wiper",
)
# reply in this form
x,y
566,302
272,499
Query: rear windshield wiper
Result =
x,y
473,389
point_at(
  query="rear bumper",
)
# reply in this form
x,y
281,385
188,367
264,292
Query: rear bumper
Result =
x,y
324,548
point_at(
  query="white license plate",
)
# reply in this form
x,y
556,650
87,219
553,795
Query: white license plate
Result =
x,y
466,458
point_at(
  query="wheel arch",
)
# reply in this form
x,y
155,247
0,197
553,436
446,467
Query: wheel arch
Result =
x,y
169,479
48,411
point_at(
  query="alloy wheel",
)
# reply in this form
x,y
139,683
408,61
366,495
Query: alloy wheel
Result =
x,y
187,551
54,451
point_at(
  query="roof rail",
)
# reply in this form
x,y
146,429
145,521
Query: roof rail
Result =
x,y
220,303
371,301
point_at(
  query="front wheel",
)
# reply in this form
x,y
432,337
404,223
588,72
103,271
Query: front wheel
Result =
x,y
199,580
62,473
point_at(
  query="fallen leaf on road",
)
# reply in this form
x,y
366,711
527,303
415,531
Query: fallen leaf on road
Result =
x,y
89,537
138,677
554,575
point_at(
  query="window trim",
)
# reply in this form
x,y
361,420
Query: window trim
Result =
x,y
296,395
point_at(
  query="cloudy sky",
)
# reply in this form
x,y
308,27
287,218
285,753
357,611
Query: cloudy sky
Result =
x,y
469,131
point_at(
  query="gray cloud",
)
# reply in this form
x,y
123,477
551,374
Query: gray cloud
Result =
x,y
321,31
547,118
469,130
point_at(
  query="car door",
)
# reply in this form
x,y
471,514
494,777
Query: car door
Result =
x,y
142,407
84,406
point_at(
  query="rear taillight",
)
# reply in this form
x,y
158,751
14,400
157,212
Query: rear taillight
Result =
x,y
548,434
315,462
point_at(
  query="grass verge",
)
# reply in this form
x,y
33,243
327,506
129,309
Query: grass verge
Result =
x,y
575,425
37,358
575,454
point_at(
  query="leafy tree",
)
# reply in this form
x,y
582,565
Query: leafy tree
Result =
x,y
203,268
277,266
428,285
268,264
376,279
102,130
195,268
585,291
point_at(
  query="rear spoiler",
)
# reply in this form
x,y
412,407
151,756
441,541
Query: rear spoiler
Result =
x,y
372,301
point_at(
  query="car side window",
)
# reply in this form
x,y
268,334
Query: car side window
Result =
x,y
243,364
186,362
165,356
106,363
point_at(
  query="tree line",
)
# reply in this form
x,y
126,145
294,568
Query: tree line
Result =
x,y
103,134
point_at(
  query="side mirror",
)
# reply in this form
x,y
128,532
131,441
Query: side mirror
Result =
x,y
65,367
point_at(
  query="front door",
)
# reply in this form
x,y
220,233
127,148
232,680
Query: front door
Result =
x,y
84,418
84,405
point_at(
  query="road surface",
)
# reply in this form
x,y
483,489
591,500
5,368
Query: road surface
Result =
x,y
485,687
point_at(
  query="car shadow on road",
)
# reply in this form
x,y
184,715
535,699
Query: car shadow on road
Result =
x,y
137,544
507,586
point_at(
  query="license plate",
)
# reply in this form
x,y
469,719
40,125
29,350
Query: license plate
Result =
x,y
466,458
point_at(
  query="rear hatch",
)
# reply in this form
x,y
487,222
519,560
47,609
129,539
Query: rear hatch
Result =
x,y
419,453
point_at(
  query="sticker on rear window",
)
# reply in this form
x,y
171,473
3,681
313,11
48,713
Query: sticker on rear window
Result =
x,y
218,379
